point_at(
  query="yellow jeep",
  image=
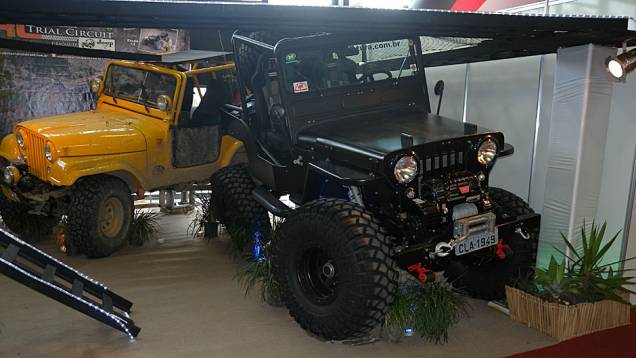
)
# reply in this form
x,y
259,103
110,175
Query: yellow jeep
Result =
x,y
148,131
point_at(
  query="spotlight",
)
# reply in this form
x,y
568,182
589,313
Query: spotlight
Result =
x,y
620,66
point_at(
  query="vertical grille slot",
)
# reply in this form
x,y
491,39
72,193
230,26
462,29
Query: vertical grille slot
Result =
x,y
446,160
35,154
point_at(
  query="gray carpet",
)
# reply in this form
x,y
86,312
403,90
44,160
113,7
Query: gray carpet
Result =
x,y
188,305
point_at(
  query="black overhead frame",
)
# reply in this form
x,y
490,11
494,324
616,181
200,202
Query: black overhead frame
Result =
x,y
509,35
43,273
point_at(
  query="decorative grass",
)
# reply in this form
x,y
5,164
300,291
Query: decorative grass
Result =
x,y
143,228
430,309
257,268
203,216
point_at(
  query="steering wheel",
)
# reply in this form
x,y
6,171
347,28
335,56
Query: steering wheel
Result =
x,y
368,76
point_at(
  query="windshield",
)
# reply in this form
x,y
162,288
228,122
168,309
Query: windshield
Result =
x,y
318,69
137,85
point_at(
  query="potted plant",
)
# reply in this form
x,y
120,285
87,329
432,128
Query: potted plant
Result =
x,y
576,295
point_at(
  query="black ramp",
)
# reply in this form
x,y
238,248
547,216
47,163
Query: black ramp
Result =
x,y
51,277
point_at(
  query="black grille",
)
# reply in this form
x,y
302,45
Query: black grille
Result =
x,y
445,159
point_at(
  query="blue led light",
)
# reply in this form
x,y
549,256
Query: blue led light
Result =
x,y
408,331
257,249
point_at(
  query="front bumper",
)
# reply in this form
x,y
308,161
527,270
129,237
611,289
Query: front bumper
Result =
x,y
420,255
25,187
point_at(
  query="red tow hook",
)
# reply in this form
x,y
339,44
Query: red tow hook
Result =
x,y
503,250
423,274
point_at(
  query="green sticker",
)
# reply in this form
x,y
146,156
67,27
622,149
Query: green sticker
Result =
x,y
291,57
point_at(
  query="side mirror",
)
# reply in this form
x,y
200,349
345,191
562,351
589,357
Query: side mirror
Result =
x,y
95,83
439,91
164,103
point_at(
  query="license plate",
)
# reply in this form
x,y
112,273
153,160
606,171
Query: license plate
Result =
x,y
476,242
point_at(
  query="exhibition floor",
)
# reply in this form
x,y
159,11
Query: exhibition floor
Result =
x,y
188,305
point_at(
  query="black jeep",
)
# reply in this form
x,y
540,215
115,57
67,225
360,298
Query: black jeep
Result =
x,y
343,125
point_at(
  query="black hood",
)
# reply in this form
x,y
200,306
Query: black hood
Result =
x,y
378,134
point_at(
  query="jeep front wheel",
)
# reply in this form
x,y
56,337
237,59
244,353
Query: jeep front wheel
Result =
x,y
99,216
334,265
483,274
29,227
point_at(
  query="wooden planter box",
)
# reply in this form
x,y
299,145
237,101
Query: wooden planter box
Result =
x,y
564,322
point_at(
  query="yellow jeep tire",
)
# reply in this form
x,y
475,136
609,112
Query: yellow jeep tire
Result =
x,y
100,215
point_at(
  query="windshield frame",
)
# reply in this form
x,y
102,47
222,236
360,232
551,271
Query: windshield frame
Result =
x,y
330,41
107,99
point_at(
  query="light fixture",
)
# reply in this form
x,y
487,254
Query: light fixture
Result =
x,y
487,152
405,169
620,66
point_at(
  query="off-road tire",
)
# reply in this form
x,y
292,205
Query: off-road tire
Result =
x,y
31,228
366,277
87,196
488,281
234,206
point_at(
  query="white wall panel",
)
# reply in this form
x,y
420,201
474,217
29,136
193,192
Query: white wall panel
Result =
x,y
631,249
537,186
618,161
502,95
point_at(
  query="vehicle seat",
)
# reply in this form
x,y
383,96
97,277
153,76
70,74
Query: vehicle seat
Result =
x,y
208,113
340,71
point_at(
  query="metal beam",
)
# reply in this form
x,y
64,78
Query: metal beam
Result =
x,y
250,16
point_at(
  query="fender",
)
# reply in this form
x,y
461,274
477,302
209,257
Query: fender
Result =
x,y
67,170
261,163
229,147
9,148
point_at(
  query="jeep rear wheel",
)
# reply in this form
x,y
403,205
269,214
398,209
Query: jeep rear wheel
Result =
x,y
99,216
234,206
29,227
334,265
484,275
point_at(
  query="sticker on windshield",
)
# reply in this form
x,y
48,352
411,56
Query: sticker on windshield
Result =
x,y
291,57
300,87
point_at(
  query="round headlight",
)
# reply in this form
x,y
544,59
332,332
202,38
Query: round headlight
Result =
x,y
20,139
487,152
49,151
163,103
405,169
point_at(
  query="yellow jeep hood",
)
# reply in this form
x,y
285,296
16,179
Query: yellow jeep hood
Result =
x,y
91,133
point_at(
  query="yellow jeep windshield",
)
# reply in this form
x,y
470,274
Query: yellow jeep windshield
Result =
x,y
137,85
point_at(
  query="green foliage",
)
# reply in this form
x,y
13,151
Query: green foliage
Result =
x,y
581,276
258,270
430,309
143,228
554,283
203,215
239,240
254,272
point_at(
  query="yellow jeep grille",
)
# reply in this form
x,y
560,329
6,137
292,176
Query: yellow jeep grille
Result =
x,y
35,154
